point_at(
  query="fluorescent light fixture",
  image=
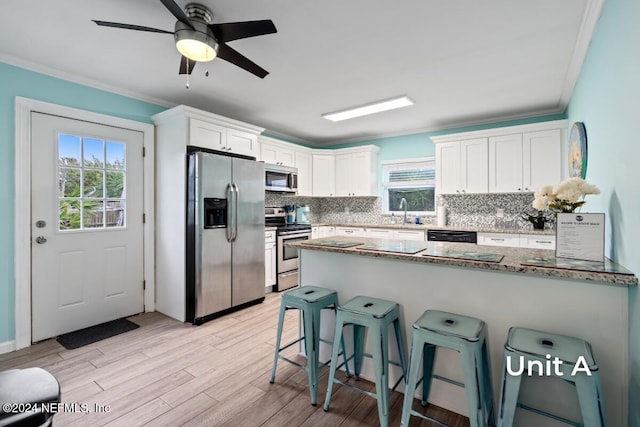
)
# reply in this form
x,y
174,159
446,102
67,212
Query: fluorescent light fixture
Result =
x,y
375,107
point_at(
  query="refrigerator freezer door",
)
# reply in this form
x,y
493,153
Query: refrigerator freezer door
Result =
x,y
248,247
213,251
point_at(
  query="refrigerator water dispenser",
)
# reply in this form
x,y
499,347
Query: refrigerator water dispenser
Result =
x,y
215,213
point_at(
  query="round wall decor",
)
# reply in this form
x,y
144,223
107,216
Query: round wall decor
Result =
x,y
578,151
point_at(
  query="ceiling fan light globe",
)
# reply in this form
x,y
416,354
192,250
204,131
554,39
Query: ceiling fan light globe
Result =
x,y
196,50
196,44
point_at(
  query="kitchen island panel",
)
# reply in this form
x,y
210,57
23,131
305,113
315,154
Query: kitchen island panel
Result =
x,y
594,311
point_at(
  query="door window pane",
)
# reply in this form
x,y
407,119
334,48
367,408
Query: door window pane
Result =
x,y
69,182
69,150
69,214
91,183
115,155
93,214
93,151
115,213
115,184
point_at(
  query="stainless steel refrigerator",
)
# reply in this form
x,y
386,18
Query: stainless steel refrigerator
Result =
x,y
225,234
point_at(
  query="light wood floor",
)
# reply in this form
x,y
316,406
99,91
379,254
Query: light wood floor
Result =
x,y
168,373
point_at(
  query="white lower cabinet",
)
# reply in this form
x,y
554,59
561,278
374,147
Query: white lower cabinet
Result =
x,y
408,235
269,259
499,239
537,241
530,241
325,231
350,231
379,233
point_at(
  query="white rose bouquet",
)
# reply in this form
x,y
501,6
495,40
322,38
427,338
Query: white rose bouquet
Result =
x,y
564,197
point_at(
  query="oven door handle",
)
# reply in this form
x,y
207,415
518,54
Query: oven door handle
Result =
x,y
294,233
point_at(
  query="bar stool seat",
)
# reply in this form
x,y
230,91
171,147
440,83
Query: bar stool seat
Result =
x,y
32,386
464,334
310,300
529,345
376,315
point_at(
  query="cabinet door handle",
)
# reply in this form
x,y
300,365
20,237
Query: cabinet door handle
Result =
x,y
497,240
544,241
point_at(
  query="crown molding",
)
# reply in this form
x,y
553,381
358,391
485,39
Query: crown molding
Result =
x,y
73,78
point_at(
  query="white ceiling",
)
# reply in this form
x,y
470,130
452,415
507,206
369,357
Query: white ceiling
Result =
x,y
463,62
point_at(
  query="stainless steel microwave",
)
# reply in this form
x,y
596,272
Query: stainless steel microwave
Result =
x,y
280,178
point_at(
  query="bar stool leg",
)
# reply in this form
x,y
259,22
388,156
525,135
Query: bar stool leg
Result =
x,y
590,399
278,339
401,348
359,333
334,359
485,384
509,392
428,359
312,355
416,356
472,386
380,353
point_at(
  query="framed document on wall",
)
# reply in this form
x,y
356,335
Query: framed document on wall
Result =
x,y
580,236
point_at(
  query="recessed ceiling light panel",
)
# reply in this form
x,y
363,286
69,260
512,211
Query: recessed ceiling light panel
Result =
x,y
372,108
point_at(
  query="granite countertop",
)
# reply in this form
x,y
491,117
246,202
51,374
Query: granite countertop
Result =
x,y
435,227
515,260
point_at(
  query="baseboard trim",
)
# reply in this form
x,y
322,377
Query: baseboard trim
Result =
x,y
7,347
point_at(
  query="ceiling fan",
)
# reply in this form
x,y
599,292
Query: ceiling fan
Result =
x,y
198,40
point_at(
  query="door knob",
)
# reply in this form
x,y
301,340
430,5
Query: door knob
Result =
x,y
41,239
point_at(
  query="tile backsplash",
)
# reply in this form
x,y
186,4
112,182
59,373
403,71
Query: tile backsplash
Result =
x,y
481,210
468,210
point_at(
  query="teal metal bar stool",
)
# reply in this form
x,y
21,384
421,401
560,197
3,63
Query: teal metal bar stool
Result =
x,y
528,347
375,315
466,335
310,300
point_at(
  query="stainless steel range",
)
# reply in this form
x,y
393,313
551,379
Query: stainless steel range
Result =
x,y
287,258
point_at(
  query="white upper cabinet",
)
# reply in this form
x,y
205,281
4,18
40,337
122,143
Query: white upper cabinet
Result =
x,y
277,153
524,162
241,142
505,164
541,162
215,137
462,166
324,175
304,163
211,131
448,167
207,135
502,160
356,171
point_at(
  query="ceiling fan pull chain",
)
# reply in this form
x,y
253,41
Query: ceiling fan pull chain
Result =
x,y
187,73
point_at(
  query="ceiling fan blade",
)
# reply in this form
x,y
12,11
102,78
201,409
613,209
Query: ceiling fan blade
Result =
x,y
186,65
131,27
241,30
177,12
236,58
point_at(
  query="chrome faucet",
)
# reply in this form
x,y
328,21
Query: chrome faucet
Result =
x,y
403,203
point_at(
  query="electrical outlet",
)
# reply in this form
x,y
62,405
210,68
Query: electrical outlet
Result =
x,y
499,213
346,209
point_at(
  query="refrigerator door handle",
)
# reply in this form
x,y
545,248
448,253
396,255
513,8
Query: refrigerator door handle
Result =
x,y
230,210
236,190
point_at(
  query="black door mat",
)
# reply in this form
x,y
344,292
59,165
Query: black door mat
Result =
x,y
96,333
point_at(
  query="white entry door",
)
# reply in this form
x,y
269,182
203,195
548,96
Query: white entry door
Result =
x,y
86,224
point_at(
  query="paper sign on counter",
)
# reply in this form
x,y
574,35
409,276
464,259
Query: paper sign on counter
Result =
x,y
580,236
